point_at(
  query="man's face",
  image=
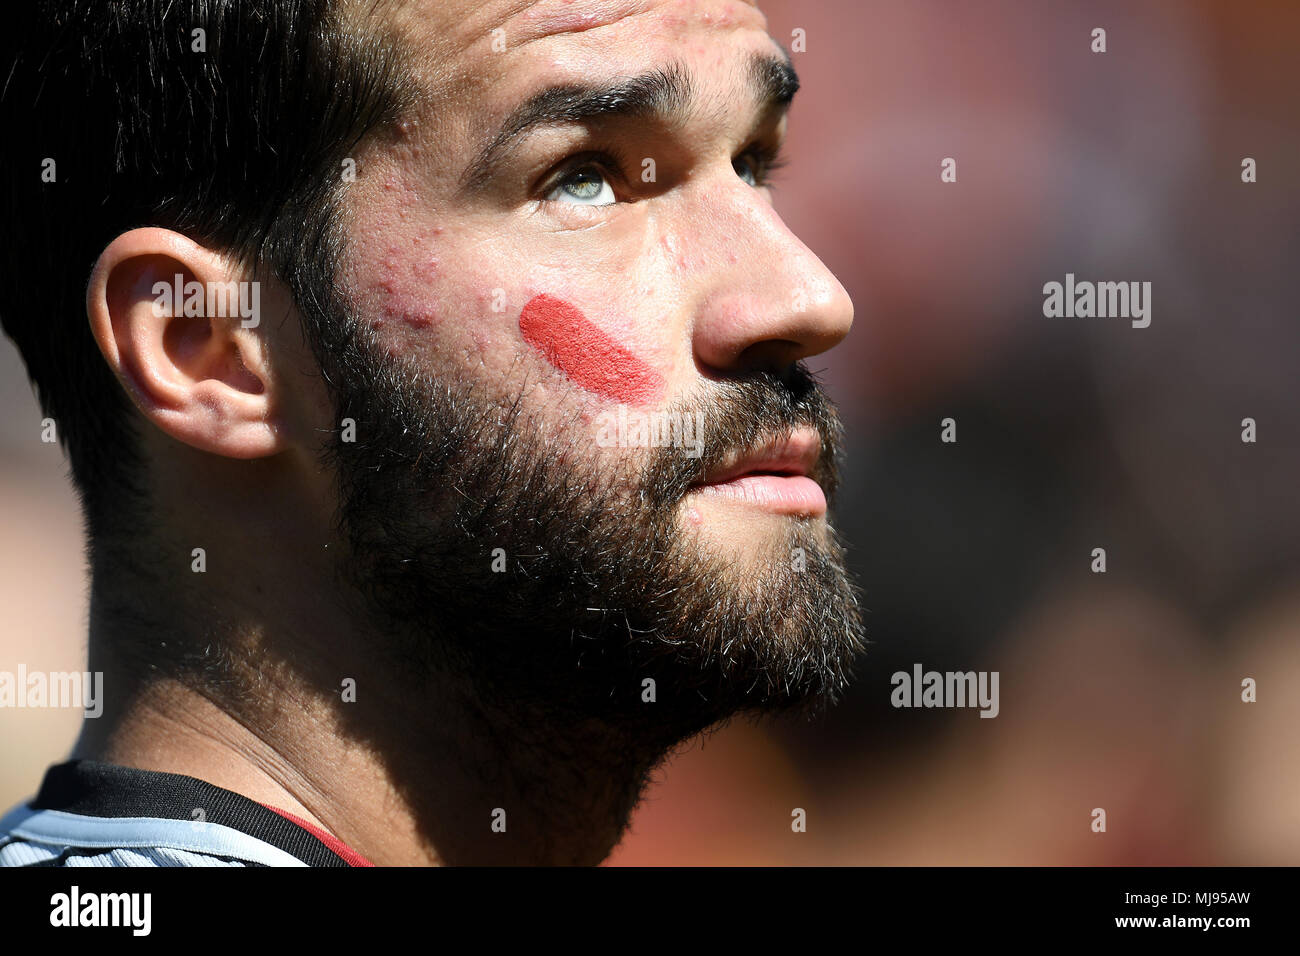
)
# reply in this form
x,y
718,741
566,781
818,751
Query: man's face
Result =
x,y
586,453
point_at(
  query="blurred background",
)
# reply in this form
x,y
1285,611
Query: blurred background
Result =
x,y
1119,690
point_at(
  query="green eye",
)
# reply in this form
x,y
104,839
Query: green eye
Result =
x,y
746,168
585,186
755,166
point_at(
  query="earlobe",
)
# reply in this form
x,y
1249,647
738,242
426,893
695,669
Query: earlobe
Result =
x,y
180,326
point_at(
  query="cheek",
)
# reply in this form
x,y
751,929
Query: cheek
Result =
x,y
396,259
402,280
588,356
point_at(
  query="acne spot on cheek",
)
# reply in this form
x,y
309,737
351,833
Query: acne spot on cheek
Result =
x,y
403,282
586,354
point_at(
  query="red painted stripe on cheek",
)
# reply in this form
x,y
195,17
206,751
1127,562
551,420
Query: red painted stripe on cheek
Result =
x,y
590,358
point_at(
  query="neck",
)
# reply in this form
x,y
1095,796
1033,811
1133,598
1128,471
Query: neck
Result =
x,y
406,770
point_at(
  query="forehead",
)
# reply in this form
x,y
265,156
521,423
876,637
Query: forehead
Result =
x,y
492,54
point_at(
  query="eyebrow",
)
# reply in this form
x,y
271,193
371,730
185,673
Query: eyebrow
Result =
x,y
659,94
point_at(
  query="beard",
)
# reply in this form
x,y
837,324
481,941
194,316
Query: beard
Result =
x,y
556,581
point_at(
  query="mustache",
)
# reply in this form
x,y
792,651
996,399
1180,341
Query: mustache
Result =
x,y
738,417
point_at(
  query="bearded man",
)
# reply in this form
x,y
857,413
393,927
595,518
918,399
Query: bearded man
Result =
x,y
331,304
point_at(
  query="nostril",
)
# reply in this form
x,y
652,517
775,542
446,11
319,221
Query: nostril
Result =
x,y
769,355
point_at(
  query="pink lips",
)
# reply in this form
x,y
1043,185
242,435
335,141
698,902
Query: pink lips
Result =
x,y
784,494
775,477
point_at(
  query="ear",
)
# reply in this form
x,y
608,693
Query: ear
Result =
x,y
195,364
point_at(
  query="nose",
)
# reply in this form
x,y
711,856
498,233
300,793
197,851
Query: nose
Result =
x,y
764,300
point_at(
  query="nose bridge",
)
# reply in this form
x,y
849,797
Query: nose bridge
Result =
x,y
764,291
765,259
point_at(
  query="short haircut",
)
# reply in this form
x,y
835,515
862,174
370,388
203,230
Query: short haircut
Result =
x,y
226,120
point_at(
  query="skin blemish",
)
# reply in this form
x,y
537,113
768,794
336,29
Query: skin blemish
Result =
x,y
587,355
403,279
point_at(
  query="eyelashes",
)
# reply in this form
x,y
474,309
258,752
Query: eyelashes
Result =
x,y
770,160
606,163
755,165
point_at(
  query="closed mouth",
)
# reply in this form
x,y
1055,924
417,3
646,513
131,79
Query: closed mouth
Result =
x,y
775,475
